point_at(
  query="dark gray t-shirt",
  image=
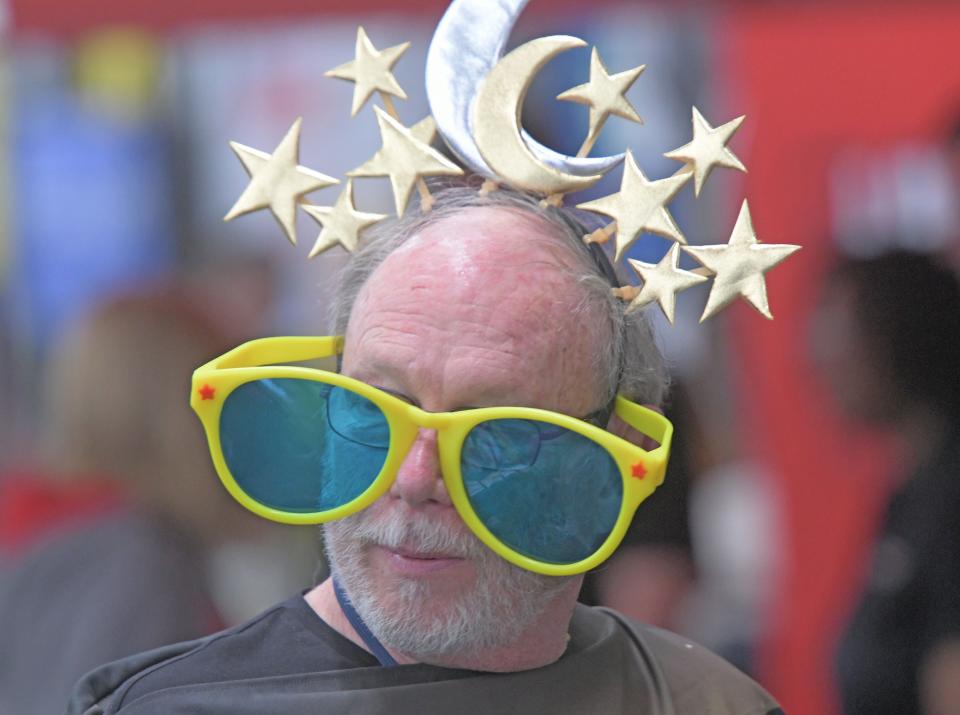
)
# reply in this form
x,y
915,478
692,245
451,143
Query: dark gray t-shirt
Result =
x,y
288,661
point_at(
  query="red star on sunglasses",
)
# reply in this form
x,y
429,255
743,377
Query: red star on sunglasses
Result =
x,y
206,392
638,470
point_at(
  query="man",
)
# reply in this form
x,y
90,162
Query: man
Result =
x,y
484,301
889,352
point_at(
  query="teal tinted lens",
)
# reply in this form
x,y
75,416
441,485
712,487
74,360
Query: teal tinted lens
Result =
x,y
502,444
302,445
354,418
543,490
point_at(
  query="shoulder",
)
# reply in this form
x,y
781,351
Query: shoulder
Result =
x,y
693,679
286,639
698,677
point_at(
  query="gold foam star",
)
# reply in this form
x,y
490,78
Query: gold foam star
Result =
x,y
739,266
662,282
640,205
604,94
342,223
277,181
405,157
370,71
708,149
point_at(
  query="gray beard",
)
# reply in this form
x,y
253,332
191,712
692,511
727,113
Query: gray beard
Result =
x,y
502,603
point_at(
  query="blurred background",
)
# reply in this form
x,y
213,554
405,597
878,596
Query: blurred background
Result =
x,y
115,174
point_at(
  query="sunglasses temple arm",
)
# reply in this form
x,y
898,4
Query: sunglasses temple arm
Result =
x,y
650,423
266,351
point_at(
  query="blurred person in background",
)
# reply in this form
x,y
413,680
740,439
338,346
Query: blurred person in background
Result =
x,y
887,339
652,573
102,549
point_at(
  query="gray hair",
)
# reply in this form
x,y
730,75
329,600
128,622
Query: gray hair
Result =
x,y
627,359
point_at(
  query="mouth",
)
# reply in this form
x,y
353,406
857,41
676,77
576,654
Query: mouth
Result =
x,y
412,562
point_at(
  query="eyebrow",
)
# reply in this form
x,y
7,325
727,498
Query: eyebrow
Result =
x,y
398,395
598,418
414,402
600,415
381,368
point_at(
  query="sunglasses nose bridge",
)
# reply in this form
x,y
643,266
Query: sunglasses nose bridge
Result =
x,y
416,419
429,420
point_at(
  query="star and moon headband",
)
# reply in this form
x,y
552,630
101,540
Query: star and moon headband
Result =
x,y
475,95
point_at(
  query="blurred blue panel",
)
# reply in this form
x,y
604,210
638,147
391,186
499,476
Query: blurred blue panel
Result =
x,y
91,208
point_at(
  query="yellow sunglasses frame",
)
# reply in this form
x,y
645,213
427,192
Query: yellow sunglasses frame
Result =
x,y
265,358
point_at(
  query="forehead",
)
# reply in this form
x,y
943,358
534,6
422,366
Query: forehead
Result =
x,y
484,296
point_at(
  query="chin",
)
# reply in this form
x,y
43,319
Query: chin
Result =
x,y
432,596
443,615
474,602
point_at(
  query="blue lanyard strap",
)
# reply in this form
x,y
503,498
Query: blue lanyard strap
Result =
x,y
370,640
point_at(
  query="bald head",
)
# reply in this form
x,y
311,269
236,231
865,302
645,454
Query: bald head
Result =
x,y
477,309
622,351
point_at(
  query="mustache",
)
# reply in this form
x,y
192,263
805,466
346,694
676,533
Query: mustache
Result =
x,y
394,530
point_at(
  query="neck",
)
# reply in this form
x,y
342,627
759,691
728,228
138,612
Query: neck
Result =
x,y
542,643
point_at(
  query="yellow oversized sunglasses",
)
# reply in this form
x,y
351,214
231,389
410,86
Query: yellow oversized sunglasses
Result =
x,y
546,491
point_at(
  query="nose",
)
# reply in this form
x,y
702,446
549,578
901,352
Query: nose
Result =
x,y
419,479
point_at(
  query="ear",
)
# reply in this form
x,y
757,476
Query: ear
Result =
x,y
621,429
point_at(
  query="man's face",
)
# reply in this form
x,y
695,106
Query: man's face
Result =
x,y
475,311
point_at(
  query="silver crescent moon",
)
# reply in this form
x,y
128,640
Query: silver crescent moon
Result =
x,y
496,120
466,45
